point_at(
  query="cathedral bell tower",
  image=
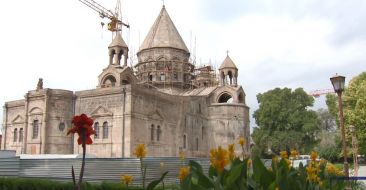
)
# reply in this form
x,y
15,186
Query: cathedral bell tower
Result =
x,y
228,72
117,49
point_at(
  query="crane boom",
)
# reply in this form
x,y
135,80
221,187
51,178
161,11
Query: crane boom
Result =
x,y
115,24
103,12
318,93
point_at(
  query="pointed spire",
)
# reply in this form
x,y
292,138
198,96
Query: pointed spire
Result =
x,y
228,63
118,41
163,33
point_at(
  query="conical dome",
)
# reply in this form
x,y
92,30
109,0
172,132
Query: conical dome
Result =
x,y
118,41
163,33
228,63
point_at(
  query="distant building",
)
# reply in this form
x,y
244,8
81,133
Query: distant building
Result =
x,y
163,102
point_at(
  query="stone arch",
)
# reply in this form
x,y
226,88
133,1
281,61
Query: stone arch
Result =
x,y
126,80
36,111
109,81
111,55
105,130
230,77
96,128
152,131
161,58
241,98
225,97
175,59
15,135
158,133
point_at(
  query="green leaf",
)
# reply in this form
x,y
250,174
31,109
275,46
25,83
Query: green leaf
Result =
x,y
261,175
153,184
212,172
198,178
195,166
234,173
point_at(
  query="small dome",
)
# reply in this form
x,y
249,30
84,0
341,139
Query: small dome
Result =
x,y
118,41
228,63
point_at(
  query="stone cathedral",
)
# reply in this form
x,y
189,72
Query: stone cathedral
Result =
x,y
163,101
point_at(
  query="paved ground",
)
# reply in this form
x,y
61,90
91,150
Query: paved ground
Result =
x,y
362,172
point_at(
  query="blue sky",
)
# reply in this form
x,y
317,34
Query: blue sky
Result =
x,y
281,43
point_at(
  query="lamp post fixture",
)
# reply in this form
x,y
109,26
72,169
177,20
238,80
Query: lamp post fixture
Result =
x,y
338,85
355,149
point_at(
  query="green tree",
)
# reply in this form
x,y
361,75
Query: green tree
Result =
x,y
355,108
284,121
327,120
332,104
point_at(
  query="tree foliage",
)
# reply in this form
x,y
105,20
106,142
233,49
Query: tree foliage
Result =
x,y
327,120
355,108
284,121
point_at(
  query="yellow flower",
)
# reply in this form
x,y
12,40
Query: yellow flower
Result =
x,y
288,162
310,170
231,149
313,156
242,141
140,151
283,154
183,172
330,169
181,155
126,179
323,161
249,162
275,159
219,158
294,153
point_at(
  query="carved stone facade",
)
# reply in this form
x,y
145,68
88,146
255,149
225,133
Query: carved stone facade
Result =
x,y
163,102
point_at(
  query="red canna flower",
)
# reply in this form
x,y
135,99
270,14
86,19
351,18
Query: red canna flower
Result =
x,y
82,124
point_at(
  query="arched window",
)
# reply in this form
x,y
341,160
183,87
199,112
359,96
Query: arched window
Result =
x,y
152,131
61,126
21,135
230,75
162,77
184,141
158,133
35,129
225,98
96,128
15,135
241,98
196,144
109,81
105,130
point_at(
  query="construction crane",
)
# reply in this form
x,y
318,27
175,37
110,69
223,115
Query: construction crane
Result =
x,y
318,93
115,18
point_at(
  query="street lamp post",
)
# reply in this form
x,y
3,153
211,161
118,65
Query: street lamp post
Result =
x,y
355,149
338,85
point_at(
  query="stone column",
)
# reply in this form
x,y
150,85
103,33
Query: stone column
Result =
x,y
125,58
44,124
26,114
117,56
110,57
5,126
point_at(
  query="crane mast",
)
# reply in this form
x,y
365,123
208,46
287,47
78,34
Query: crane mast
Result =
x,y
115,18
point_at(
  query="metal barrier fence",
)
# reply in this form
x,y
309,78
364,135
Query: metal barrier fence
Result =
x,y
97,169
